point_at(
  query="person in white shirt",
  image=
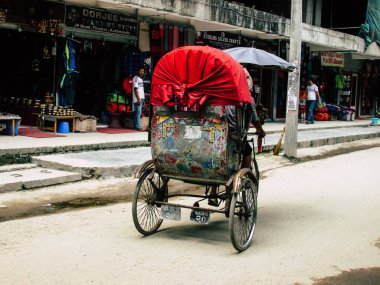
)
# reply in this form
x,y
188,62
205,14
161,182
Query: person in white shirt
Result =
x,y
312,95
138,97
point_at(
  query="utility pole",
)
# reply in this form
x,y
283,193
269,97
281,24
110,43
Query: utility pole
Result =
x,y
291,123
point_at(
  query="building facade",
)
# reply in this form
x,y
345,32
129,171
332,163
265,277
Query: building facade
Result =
x,y
111,38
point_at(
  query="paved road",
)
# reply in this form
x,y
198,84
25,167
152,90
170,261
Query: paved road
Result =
x,y
316,220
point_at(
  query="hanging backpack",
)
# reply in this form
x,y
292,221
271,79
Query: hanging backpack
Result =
x,y
127,85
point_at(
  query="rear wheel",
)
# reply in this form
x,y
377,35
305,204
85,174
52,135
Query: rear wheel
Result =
x,y
242,215
145,211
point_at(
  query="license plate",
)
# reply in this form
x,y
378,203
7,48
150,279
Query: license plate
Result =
x,y
170,212
200,216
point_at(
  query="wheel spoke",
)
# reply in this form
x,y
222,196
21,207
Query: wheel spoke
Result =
x,y
146,214
243,214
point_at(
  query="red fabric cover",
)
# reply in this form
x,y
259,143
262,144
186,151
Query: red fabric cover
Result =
x,y
116,108
321,110
319,116
111,107
122,108
127,85
196,74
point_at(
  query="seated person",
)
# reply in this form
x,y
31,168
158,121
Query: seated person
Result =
x,y
230,113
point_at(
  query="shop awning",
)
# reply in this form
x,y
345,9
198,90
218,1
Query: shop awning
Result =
x,y
199,74
371,53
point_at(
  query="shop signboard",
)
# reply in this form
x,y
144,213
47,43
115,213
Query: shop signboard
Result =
x,y
100,20
332,59
220,40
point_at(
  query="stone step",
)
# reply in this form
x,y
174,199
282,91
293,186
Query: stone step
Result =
x,y
97,164
123,162
35,177
15,167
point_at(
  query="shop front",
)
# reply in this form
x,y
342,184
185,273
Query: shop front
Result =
x,y
28,34
100,52
338,78
60,59
369,103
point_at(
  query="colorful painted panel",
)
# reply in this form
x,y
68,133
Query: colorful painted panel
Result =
x,y
193,145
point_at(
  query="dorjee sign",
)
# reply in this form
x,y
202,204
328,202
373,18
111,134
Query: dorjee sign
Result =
x,y
332,59
100,20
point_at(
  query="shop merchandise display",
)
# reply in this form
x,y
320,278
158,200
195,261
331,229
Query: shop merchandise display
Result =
x,y
51,110
117,103
5,115
341,113
7,118
18,101
346,114
321,112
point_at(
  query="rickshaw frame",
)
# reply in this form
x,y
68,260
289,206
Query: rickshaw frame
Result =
x,y
241,184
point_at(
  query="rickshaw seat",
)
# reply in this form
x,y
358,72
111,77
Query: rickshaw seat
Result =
x,y
193,146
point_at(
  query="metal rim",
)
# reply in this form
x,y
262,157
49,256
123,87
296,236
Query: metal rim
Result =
x,y
145,211
243,213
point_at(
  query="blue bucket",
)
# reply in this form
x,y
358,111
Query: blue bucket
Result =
x,y
8,129
63,127
374,121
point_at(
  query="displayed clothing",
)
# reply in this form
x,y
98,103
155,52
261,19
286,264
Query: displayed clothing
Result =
x,y
67,92
69,57
127,85
339,81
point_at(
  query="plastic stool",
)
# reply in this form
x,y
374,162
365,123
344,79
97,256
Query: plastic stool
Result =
x,y
63,127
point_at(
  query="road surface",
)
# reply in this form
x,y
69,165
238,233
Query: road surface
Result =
x,y
318,222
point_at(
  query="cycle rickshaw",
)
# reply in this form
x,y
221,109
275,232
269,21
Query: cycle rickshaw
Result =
x,y
191,141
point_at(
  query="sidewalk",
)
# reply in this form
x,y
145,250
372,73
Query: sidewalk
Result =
x,y
20,149
92,169
96,141
99,155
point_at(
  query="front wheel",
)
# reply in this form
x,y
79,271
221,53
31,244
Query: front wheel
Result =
x,y
242,215
145,212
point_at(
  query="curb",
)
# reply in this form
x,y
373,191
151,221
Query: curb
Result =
x,y
24,155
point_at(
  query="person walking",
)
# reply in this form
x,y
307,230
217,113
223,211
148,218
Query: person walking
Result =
x,y
138,97
312,95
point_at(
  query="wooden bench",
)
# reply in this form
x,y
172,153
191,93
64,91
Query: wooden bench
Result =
x,y
55,119
12,119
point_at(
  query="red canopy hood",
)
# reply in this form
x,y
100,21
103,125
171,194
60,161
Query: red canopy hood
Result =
x,y
196,74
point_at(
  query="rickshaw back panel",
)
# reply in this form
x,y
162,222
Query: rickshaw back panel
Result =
x,y
193,146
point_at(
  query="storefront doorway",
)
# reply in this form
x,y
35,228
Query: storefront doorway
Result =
x,y
354,92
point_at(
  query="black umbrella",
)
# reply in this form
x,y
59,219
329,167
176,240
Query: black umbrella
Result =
x,y
259,58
